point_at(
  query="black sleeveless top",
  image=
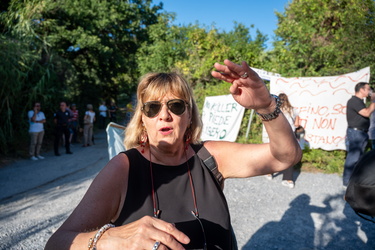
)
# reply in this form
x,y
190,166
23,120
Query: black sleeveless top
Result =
x,y
175,200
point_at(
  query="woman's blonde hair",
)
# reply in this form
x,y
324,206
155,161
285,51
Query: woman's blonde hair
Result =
x,y
154,86
286,107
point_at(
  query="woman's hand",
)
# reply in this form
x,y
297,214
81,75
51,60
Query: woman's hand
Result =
x,y
247,88
142,234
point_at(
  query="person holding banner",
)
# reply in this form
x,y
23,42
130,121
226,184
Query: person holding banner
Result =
x,y
159,193
357,115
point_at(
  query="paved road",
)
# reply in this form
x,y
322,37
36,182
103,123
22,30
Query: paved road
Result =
x,y
36,197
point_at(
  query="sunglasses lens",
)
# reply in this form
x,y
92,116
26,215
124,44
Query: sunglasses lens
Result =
x,y
151,109
176,106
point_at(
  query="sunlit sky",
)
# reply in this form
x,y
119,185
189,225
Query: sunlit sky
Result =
x,y
222,14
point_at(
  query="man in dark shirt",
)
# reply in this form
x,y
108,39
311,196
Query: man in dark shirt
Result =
x,y
357,115
112,112
61,119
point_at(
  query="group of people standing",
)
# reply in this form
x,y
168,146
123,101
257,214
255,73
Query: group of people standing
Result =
x,y
67,127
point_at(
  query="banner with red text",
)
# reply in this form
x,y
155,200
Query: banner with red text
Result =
x,y
321,102
221,117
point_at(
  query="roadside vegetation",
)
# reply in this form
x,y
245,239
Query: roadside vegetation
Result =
x,y
85,51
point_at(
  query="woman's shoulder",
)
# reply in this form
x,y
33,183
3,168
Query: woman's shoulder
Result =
x,y
131,154
119,161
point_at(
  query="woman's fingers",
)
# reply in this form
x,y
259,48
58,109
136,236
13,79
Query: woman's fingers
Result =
x,y
240,71
156,230
234,89
223,72
231,71
222,76
169,235
221,68
143,234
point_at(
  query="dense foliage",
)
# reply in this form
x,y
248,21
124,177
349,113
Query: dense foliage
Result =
x,y
325,37
85,51
81,51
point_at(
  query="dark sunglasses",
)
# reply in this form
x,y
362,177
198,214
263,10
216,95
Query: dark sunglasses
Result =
x,y
152,108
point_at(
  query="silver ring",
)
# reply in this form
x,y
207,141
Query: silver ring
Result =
x,y
244,75
156,245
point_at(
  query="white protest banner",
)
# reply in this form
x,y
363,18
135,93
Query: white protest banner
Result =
x,y
321,102
221,117
265,75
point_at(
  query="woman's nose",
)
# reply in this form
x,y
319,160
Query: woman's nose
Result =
x,y
164,113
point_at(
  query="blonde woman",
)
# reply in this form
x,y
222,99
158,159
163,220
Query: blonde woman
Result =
x,y
291,114
158,194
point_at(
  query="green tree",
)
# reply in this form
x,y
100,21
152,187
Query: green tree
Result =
x,y
192,50
24,80
243,47
98,39
77,50
166,46
324,37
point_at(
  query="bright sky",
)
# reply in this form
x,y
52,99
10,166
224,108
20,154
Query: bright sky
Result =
x,y
260,13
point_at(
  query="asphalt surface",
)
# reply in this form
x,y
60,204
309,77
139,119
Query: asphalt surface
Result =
x,y
37,196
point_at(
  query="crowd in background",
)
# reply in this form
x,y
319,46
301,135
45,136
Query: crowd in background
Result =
x,y
69,126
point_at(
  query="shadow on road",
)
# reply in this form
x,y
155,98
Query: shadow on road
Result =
x,y
297,229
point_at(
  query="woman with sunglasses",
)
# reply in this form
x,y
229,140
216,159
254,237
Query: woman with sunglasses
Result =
x,y
158,194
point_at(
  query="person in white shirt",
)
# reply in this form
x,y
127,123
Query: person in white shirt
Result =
x,y
102,115
36,131
88,126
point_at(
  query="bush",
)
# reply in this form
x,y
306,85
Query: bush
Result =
x,y
326,161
